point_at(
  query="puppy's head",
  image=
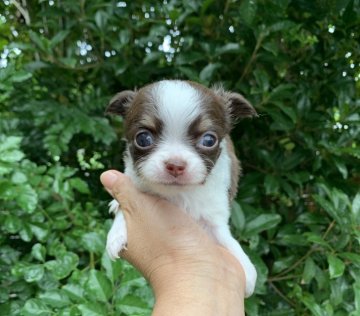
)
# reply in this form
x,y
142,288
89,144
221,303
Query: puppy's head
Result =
x,y
175,129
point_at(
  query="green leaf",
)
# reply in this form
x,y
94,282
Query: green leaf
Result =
x,y
152,56
124,36
40,42
68,61
63,266
271,184
227,49
328,207
291,239
261,223
237,216
93,242
355,209
290,112
113,269
69,311
27,198
98,286
21,76
59,37
26,233
101,18
11,155
207,72
93,309
38,251
281,25
188,58
80,185
336,266
122,67
353,258
309,271
311,304
280,121
356,287
35,307
55,298
341,166
262,80
248,10
10,142
36,65
132,305
19,177
33,273
282,264
41,231
75,292
262,272
316,239
190,73
12,224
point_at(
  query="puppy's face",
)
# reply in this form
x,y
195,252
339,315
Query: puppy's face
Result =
x,y
174,129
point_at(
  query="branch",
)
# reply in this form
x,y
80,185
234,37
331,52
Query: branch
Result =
x,y
253,56
282,295
23,11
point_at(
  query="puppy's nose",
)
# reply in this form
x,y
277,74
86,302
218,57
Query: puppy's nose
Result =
x,y
175,168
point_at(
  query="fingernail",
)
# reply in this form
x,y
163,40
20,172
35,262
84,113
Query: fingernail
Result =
x,y
108,179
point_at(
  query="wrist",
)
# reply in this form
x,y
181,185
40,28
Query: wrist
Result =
x,y
199,288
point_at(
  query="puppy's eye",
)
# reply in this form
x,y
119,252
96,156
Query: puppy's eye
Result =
x,y
144,139
208,140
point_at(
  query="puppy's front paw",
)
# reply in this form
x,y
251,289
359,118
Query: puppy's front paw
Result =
x,y
250,275
116,241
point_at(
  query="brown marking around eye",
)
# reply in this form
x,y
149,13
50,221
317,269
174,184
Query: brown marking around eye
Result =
x,y
142,115
213,118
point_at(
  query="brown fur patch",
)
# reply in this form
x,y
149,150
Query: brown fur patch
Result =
x,y
235,168
142,115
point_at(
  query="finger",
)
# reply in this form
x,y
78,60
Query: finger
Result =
x,y
121,188
109,178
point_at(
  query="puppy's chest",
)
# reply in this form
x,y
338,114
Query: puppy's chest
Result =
x,y
203,203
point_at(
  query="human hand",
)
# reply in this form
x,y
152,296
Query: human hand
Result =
x,y
189,272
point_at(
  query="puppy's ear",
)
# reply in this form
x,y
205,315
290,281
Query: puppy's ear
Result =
x,y
238,106
120,103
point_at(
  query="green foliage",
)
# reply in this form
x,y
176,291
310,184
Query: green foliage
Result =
x,y
298,209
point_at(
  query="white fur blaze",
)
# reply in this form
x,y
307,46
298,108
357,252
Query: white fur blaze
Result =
x,y
178,105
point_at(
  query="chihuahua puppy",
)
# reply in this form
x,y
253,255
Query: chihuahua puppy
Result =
x,y
178,148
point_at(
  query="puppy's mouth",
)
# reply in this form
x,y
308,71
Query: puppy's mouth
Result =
x,y
180,182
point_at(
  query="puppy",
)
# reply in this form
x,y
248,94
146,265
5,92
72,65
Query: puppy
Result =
x,y
178,147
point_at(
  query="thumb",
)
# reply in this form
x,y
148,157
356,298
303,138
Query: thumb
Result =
x,y
118,185
109,178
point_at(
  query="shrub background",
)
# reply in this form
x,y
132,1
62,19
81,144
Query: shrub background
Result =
x,y
298,208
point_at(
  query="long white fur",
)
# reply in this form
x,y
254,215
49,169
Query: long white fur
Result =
x,y
207,202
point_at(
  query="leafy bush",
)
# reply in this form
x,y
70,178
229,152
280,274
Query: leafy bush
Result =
x,y
298,209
